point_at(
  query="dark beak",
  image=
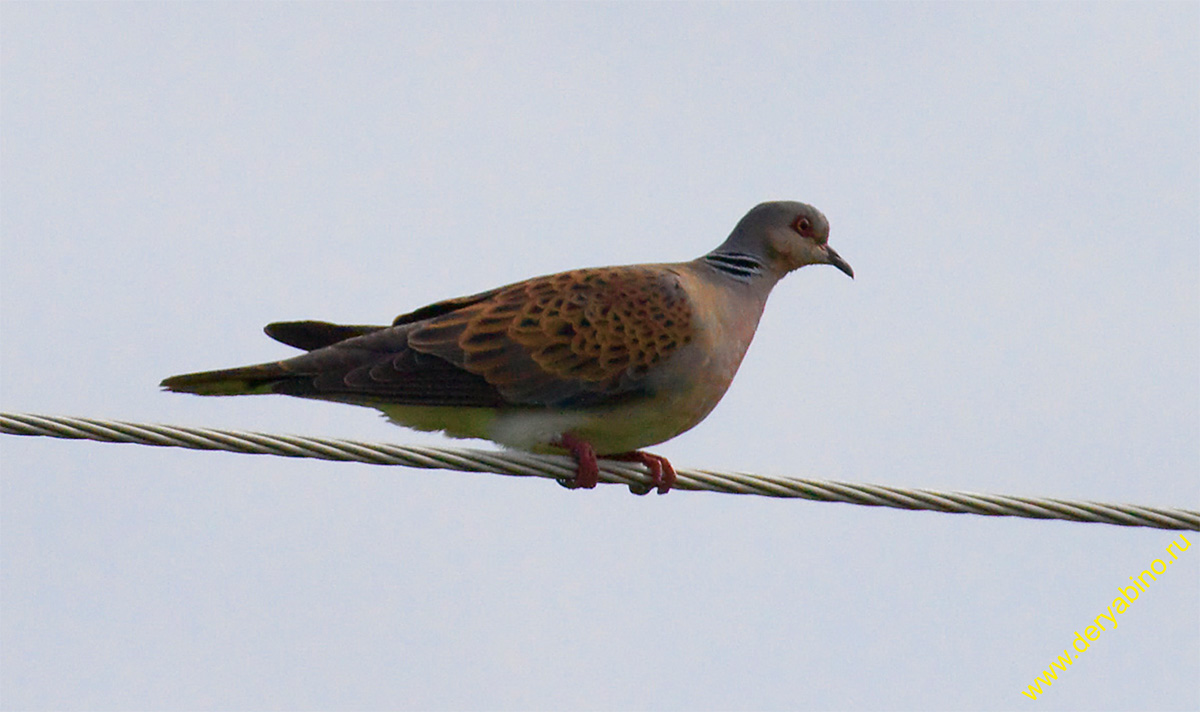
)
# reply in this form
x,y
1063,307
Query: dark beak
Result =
x,y
836,260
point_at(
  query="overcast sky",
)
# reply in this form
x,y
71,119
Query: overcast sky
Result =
x,y
1016,185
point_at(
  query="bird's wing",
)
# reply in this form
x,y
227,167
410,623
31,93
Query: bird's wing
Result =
x,y
580,338
445,306
583,337
313,335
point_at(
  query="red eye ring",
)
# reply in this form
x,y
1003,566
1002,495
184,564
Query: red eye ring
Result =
x,y
802,225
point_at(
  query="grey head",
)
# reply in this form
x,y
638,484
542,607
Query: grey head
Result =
x,y
774,239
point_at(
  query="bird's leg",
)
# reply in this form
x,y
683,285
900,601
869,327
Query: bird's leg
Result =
x,y
662,474
587,470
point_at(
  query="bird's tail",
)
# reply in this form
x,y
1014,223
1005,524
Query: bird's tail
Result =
x,y
278,376
247,380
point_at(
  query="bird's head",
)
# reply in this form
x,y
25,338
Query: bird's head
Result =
x,y
785,236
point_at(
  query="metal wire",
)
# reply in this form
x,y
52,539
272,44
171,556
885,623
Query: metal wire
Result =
x,y
561,468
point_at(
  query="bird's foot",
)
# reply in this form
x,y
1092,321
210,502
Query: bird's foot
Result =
x,y
662,474
587,470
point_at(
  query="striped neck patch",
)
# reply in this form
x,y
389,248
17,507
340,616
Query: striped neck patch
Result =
x,y
739,265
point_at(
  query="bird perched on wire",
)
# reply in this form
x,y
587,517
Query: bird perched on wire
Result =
x,y
595,362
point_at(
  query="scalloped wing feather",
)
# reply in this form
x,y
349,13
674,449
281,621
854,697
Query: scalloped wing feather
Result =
x,y
583,337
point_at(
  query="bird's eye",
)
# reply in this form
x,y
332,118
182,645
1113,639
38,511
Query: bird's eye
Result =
x,y
802,225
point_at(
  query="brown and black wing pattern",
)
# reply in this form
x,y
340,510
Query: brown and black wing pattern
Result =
x,y
585,337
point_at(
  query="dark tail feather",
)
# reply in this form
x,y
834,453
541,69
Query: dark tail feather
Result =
x,y
248,380
313,335
273,377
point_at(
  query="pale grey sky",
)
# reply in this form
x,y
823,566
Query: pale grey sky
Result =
x,y
1016,185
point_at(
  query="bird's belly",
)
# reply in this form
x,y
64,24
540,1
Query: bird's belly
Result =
x,y
674,407
454,421
610,430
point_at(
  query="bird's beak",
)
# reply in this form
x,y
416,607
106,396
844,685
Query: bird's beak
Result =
x,y
836,260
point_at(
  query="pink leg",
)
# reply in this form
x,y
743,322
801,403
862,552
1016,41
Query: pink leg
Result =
x,y
587,470
661,471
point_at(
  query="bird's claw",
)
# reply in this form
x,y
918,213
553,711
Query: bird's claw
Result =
x,y
662,474
587,469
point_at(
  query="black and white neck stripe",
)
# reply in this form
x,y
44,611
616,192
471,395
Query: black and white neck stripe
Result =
x,y
739,265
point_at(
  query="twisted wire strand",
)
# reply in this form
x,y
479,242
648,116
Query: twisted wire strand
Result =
x,y
561,467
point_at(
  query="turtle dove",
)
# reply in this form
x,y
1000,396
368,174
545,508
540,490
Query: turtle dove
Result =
x,y
595,362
